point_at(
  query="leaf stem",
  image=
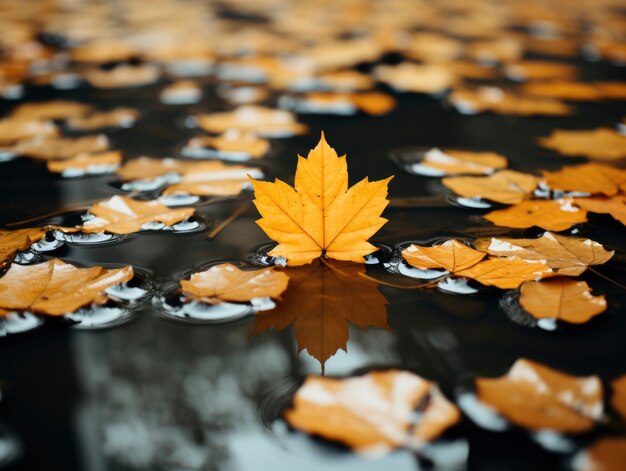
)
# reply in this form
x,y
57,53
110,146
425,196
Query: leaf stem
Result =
x,y
610,280
238,212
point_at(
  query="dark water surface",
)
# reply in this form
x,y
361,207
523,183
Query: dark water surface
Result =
x,y
157,394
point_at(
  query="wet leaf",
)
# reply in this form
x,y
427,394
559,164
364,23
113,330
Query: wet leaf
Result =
x,y
321,215
409,77
55,109
615,206
122,215
540,70
537,397
458,162
506,272
606,454
588,178
374,412
569,256
618,399
563,90
57,288
263,121
117,117
183,92
123,76
51,148
13,129
322,299
226,282
561,298
102,51
374,103
232,145
87,163
599,143
496,100
452,255
17,241
505,186
553,215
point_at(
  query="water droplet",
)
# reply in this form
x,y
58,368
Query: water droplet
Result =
x,y
456,286
481,413
16,322
99,317
178,199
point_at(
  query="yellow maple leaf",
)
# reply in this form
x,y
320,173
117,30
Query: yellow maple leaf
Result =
x,y
320,215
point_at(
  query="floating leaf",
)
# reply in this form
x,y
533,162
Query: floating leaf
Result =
x,y
452,255
102,51
537,397
265,122
17,241
374,103
569,256
87,163
55,109
456,162
323,297
588,178
562,90
373,412
553,215
122,215
615,206
226,282
618,399
321,216
57,288
183,92
13,129
606,454
409,77
117,117
505,186
540,70
232,145
599,143
506,272
50,148
561,298
123,76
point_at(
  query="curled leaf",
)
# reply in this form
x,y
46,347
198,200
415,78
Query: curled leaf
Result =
x,y
452,256
17,241
553,215
374,412
57,288
537,397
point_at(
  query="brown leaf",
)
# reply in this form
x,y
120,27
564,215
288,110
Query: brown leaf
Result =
x,y
105,162
588,178
409,77
452,255
506,272
606,454
505,186
599,143
232,145
496,100
103,50
540,70
57,288
537,397
458,162
323,297
503,49
55,109
561,298
615,206
612,90
117,117
122,215
17,241
373,412
13,129
433,47
123,76
562,90
568,256
226,282
553,215
618,399
51,148
263,121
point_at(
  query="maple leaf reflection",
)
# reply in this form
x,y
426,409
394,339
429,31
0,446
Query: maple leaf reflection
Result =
x,y
322,298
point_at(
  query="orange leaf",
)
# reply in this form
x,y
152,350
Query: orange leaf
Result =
x,y
323,297
562,90
117,117
14,129
409,77
452,255
606,454
232,145
553,215
374,412
226,282
55,109
104,162
599,143
541,70
17,241
506,272
537,397
505,186
561,298
51,148
618,399
588,178
56,288
568,256
456,162
615,206
123,76
321,215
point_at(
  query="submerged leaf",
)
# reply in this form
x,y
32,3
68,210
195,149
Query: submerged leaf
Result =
x,y
505,186
226,282
452,255
374,412
506,272
568,256
561,298
599,143
321,214
537,397
57,288
553,215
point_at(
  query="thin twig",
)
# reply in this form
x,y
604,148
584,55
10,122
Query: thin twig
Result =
x,y
607,278
238,212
